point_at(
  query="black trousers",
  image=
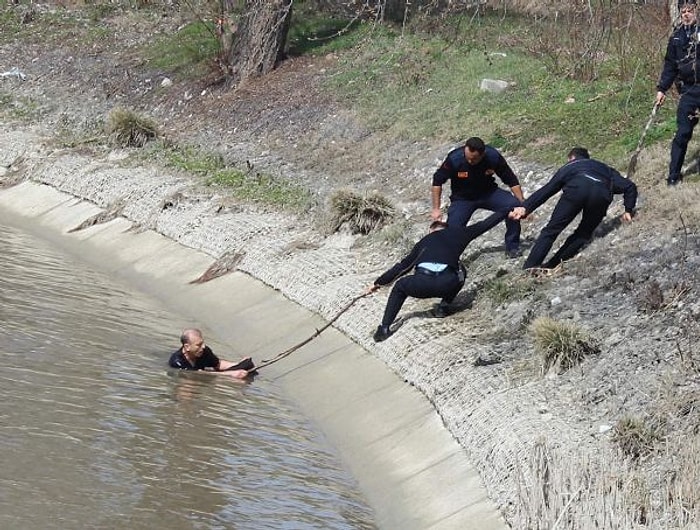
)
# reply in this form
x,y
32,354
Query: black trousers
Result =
x,y
686,120
418,285
592,202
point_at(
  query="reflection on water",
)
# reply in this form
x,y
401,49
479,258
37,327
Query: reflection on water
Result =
x,y
97,433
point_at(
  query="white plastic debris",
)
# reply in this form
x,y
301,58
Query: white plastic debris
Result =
x,y
14,72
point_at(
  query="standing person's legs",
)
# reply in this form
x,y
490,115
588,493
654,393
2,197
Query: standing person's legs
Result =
x,y
450,292
501,200
399,292
686,120
452,289
564,212
460,211
414,285
593,213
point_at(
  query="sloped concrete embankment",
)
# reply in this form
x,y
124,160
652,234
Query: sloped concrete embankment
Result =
x,y
413,472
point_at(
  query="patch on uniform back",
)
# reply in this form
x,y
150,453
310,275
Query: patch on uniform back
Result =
x,y
462,174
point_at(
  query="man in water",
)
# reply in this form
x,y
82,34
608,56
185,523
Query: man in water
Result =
x,y
195,355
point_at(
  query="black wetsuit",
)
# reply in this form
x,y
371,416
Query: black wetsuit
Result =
x,y
682,65
474,186
444,246
587,187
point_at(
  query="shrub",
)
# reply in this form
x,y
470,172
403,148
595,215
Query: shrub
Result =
x,y
128,129
634,437
562,345
362,214
651,298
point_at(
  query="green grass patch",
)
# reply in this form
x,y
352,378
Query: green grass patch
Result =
x,y
188,52
193,160
9,22
421,85
504,289
312,32
247,185
21,108
261,188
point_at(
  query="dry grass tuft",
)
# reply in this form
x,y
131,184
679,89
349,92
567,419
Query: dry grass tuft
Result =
x,y
651,298
562,344
682,499
128,129
362,214
601,490
635,437
561,490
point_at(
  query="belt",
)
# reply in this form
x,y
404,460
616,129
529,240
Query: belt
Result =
x,y
428,272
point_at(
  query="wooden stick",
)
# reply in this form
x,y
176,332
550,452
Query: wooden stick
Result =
x,y
632,167
280,356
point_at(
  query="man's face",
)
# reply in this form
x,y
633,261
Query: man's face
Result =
x,y
473,157
688,14
194,347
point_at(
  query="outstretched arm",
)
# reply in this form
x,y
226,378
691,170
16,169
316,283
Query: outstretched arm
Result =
x,y
399,269
475,230
237,370
629,193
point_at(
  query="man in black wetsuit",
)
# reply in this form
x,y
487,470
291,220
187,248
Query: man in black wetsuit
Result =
x,y
682,66
470,170
587,187
438,272
195,355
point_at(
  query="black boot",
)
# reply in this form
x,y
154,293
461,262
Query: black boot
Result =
x,y
441,310
382,333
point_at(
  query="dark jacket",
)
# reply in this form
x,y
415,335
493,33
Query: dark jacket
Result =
x,y
681,61
441,246
584,173
474,182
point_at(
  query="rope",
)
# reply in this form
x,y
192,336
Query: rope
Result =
x,y
280,356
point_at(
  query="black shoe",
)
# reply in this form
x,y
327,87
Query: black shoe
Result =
x,y
513,253
441,310
672,183
382,333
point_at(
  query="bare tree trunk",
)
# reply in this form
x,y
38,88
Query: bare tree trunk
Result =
x,y
260,38
673,11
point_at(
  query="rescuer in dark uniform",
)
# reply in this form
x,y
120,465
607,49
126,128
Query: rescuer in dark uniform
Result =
x,y
587,187
438,272
682,64
470,170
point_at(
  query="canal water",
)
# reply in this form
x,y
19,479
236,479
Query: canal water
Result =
x,y
96,432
